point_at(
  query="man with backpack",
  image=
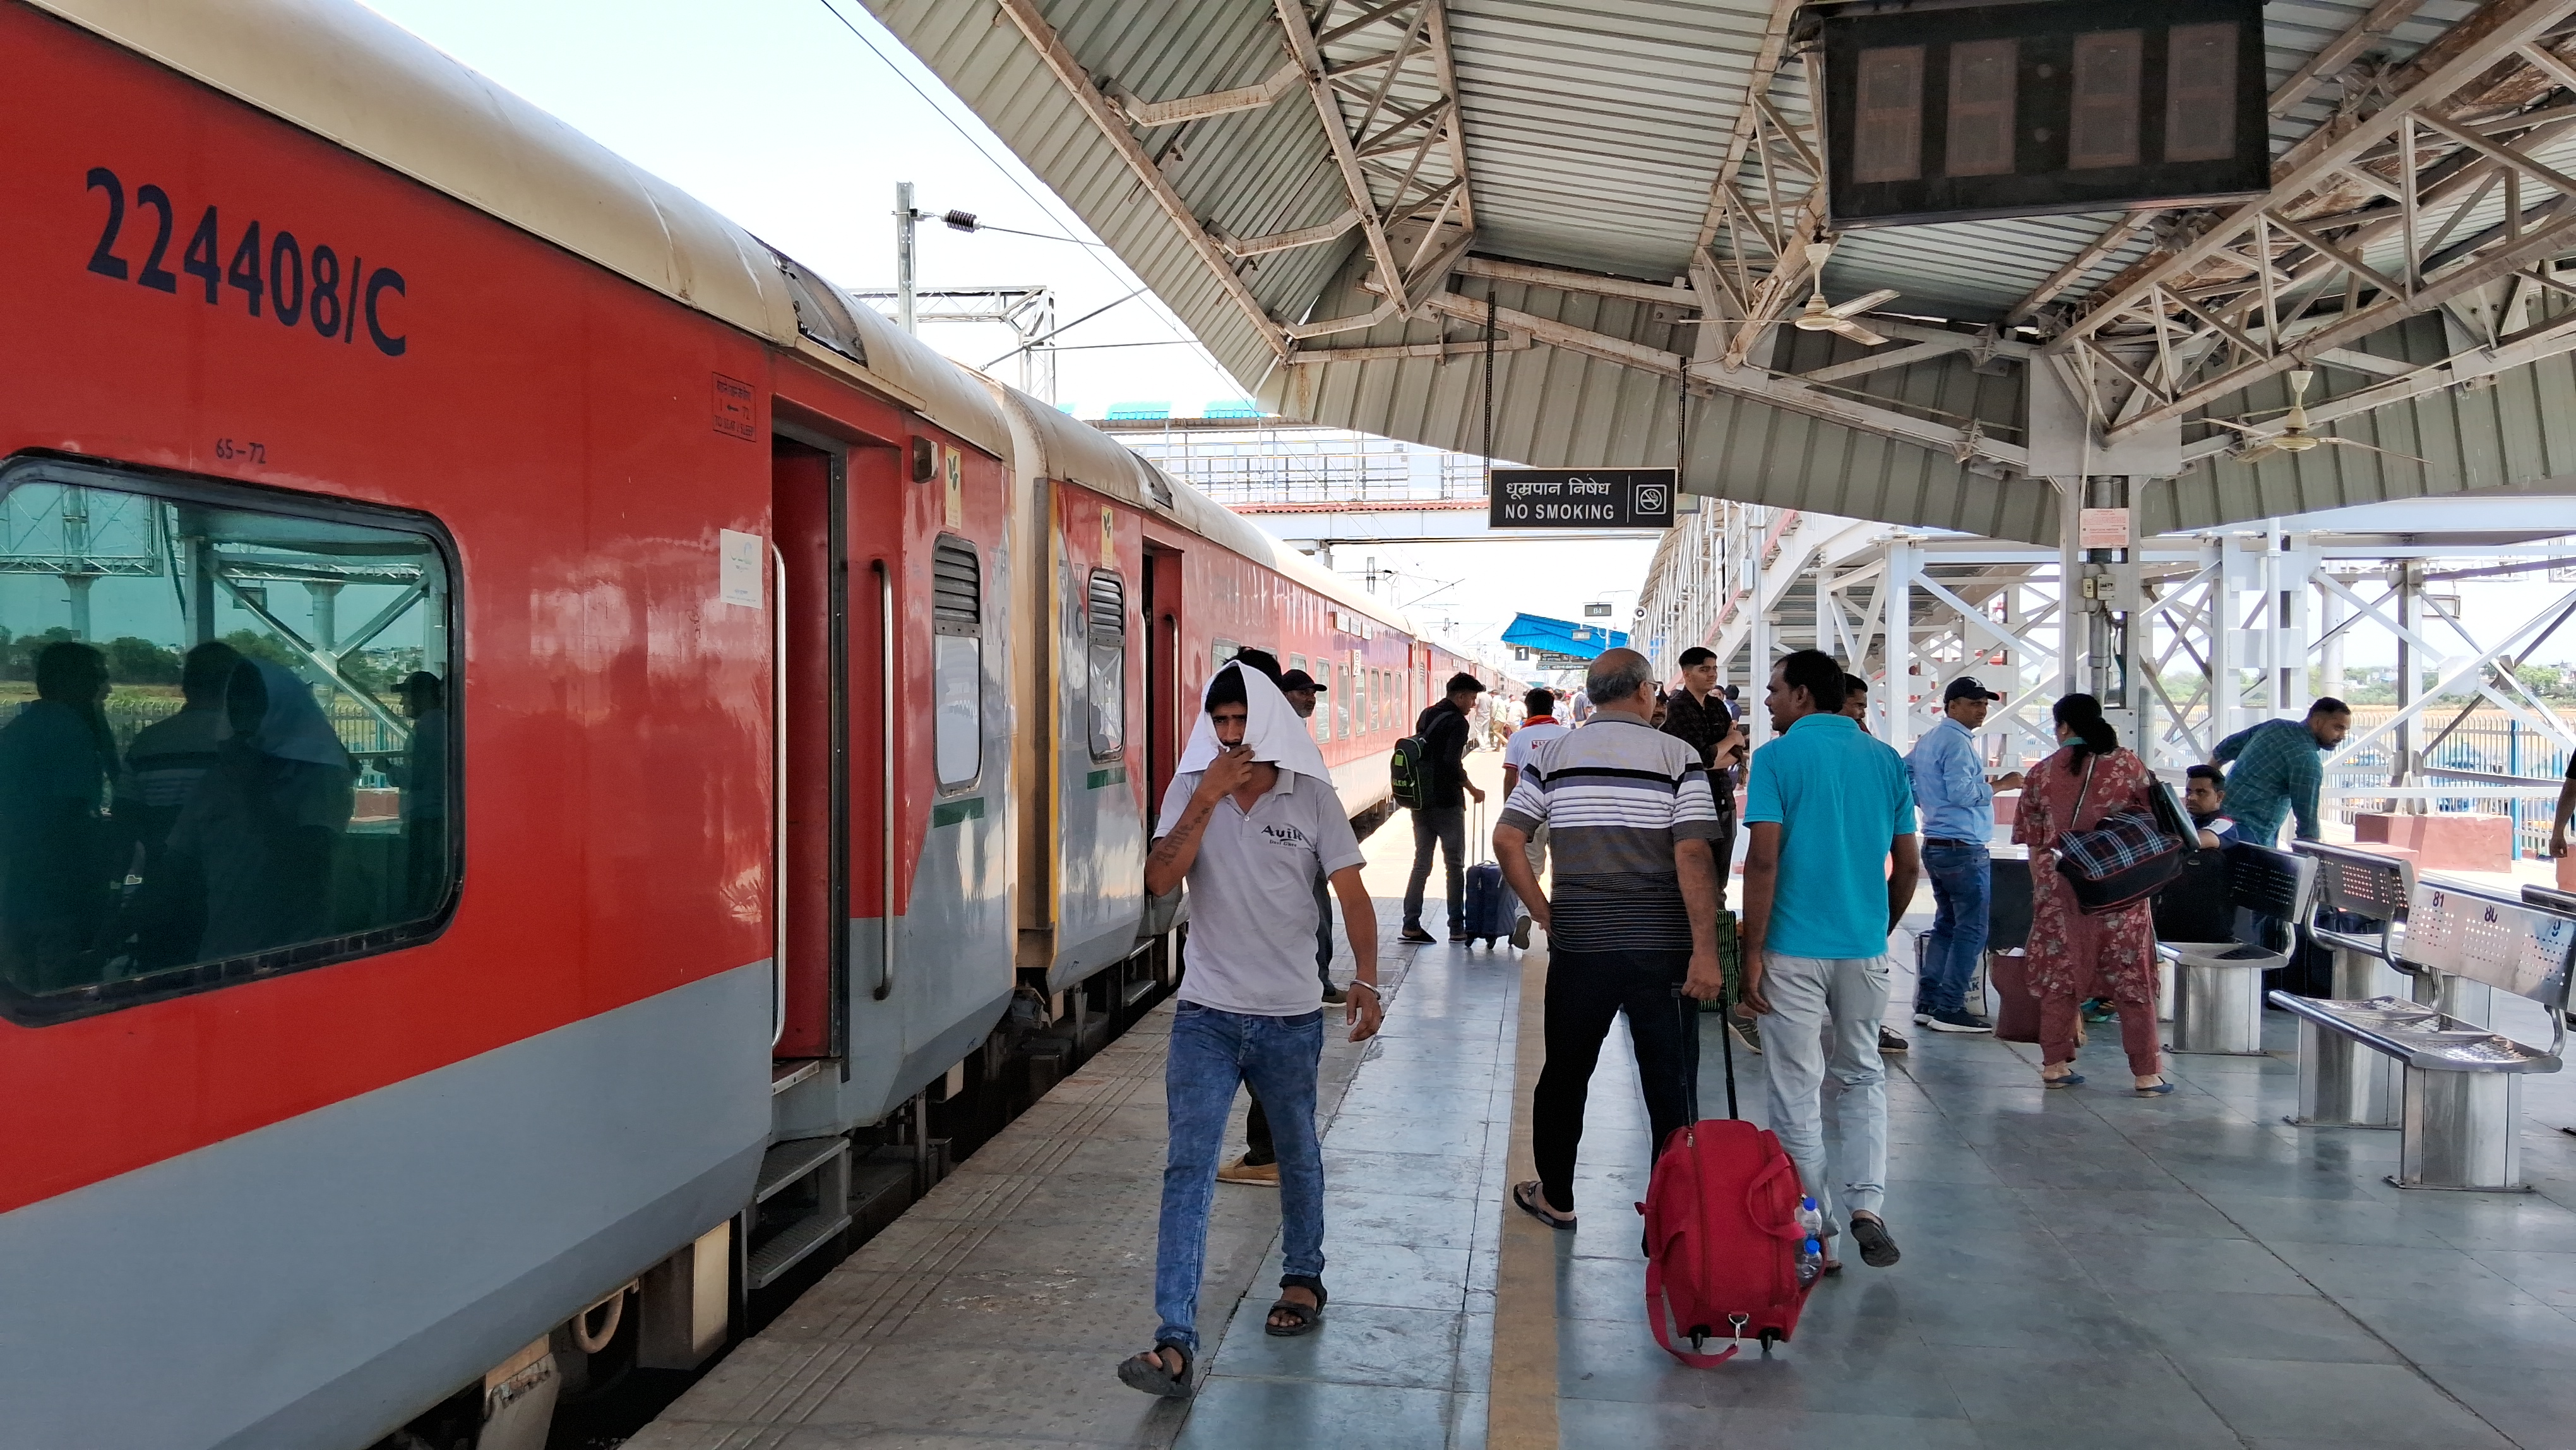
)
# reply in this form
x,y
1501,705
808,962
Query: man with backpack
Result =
x,y
1631,916
1440,818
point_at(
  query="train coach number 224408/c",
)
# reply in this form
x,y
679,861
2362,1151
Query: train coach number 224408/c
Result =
x,y
298,288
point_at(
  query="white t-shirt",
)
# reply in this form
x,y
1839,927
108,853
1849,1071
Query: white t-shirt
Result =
x,y
1528,738
1252,893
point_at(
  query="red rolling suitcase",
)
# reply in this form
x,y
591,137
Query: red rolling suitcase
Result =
x,y
1722,1233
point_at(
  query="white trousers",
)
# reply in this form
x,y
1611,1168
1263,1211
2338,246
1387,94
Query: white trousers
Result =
x,y
1803,993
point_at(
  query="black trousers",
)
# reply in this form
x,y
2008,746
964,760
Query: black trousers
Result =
x,y
1586,993
1443,827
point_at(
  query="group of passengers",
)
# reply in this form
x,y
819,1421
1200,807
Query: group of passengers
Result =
x,y
1636,813
210,836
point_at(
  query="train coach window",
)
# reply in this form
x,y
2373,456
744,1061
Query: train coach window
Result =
x,y
957,661
225,748
1107,635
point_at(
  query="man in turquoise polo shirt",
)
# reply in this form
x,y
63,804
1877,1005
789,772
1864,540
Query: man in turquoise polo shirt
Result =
x,y
1828,809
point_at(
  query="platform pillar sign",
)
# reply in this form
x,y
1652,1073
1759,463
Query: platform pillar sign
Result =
x,y
1581,498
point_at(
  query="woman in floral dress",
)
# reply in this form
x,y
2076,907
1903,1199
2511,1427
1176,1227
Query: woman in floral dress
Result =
x,y
2072,955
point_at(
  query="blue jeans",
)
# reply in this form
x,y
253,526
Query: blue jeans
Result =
x,y
1212,1053
1962,886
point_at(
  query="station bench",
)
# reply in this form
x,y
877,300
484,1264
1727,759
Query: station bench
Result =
x,y
2462,1099
2218,986
2343,1084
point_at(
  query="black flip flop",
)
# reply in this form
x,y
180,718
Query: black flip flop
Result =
x,y
1526,1195
1307,1315
1145,1372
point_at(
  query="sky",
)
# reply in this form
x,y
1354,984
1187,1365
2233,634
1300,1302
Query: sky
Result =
x,y
796,118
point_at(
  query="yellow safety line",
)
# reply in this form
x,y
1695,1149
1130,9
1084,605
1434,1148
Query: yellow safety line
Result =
x,y
1520,1413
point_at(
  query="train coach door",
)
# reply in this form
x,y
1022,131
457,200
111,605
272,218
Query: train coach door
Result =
x,y
1167,716
812,721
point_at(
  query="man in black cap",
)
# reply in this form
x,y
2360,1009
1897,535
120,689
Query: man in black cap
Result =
x,y
1957,801
1260,1161
1442,819
1301,689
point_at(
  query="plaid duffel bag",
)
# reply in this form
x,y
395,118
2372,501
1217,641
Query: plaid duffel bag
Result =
x,y
2125,858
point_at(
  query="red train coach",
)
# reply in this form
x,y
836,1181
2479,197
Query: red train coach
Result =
x,y
449,562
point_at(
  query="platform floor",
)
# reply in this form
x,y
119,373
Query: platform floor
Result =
x,y
2083,1270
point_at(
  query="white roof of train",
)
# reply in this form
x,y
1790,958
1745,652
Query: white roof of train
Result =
x,y
348,74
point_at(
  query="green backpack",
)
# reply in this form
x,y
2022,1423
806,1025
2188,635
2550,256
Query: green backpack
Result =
x,y
1408,772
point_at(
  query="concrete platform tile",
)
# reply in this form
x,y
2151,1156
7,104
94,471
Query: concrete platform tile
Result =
x,y
2347,1404
1236,1413
1892,1375
1357,1344
2303,1327
1395,1276
2123,1263
2429,1331
991,1390
1396,1131
2011,1393
2535,1410
2546,1275
1633,1426
2358,1271
1357,1215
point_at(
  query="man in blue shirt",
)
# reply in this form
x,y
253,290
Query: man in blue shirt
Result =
x,y
1957,799
1827,809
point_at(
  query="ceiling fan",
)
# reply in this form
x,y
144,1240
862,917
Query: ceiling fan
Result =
x,y
2295,435
1818,317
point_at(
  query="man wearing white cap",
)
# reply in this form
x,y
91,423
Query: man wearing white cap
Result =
x,y
1249,819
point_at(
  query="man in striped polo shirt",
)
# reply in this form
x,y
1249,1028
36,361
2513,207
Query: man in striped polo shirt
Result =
x,y
1633,914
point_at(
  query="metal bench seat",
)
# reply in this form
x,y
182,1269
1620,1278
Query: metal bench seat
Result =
x,y
2419,1036
2218,986
2461,1115
2359,914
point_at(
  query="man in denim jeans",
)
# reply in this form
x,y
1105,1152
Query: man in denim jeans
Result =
x,y
1248,821
1957,800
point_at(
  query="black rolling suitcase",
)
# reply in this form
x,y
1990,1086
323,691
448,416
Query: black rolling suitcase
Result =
x,y
1491,909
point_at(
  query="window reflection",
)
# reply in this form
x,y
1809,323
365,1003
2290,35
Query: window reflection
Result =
x,y
223,733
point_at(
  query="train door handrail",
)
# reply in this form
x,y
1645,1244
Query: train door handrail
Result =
x,y
886,692
778,784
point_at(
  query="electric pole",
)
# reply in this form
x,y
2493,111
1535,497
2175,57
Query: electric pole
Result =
x,y
904,217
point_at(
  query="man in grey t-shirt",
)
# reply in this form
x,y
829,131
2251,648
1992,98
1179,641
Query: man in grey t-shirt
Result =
x,y
1248,834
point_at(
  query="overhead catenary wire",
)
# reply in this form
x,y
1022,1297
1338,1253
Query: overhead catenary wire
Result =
x,y
1068,327
1169,322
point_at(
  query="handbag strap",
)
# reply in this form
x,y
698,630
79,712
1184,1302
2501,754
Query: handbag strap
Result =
x,y
2091,759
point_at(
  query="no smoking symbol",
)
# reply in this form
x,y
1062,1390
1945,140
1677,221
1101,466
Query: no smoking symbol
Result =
x,y
1651,500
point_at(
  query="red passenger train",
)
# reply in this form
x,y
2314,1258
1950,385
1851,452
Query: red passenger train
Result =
x,y
526,717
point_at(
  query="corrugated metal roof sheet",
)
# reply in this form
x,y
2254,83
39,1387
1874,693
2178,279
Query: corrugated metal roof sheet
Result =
x,y
1594,133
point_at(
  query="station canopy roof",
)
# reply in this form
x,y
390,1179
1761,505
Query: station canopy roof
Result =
x,y
1348,200
1537,632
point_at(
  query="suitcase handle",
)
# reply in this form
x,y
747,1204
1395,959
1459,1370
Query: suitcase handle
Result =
x,y
1752,1191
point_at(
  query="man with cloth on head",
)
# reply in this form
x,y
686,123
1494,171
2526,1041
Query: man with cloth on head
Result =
x,y
1631,917
1957,799
1250,817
